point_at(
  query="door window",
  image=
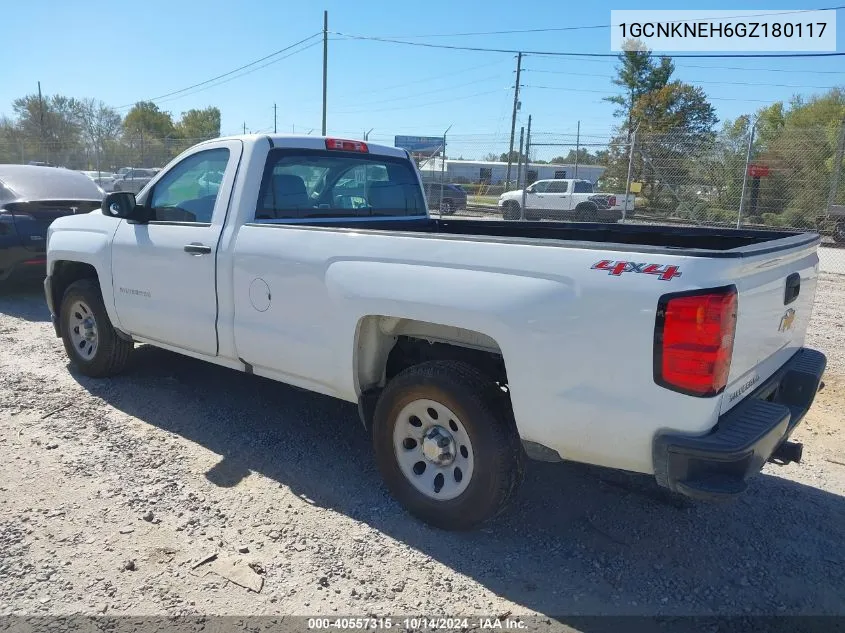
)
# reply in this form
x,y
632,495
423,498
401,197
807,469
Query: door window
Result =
x,y
540,187
557,186
188,192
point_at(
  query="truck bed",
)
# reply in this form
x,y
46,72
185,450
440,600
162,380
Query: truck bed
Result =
x,y
676,240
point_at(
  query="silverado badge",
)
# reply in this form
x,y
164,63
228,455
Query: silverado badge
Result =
x,y
787,320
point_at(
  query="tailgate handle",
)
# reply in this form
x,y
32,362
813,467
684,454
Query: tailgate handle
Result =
x,y
793,288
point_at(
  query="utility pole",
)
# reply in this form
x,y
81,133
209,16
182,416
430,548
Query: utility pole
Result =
x,y
325,63
527,165
443,168
513,116
837,169
41,117
633,139
275,130
753,124
577,147
519,156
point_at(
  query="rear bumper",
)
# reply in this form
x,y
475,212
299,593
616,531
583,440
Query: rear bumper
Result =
x,y
717,465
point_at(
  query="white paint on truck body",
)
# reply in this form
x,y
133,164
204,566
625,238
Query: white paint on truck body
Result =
x,y
577,342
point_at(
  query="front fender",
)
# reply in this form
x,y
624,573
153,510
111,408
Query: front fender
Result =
x,y
86,239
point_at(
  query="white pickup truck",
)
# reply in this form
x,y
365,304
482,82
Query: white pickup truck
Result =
x,y
565,199
467,345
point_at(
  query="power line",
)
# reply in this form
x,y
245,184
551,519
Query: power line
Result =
x,y
419,105
613,94
513,51
243,74
427,92
226,74
700,81
607,26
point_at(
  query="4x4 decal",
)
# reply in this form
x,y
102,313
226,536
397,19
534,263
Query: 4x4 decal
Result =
x,y
664,273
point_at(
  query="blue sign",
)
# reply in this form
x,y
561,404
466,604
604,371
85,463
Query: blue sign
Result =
x,y
429,145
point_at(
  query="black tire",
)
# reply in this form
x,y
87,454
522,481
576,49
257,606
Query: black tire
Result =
x,y
485,413
510,210
587,213
111,352
446,207
839,232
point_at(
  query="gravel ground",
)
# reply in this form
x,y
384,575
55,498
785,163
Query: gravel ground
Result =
x,y
114,492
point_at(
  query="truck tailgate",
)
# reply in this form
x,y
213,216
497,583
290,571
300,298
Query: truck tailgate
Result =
x,y
774,304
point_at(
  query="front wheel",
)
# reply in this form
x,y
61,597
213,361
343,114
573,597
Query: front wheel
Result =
x,y
90,340
446,207
446,444
839,232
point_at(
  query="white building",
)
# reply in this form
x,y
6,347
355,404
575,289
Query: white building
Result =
x,y
494,172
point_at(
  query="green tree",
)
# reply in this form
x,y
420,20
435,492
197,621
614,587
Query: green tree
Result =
x,y
146,134
49,128
146,118
638,74
584,157
199,124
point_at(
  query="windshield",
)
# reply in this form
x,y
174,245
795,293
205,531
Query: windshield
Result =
x,y
324,184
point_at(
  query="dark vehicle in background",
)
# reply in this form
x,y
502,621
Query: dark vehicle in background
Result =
x,y
837,214
31,197
454,198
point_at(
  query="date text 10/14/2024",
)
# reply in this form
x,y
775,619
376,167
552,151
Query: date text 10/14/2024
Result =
x,y
416,623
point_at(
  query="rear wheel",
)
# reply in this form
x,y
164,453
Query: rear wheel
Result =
x,y
839,232
446,207
90,340
587,213
446,444
510,210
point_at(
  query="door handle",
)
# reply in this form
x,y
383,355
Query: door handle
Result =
x,y
197,249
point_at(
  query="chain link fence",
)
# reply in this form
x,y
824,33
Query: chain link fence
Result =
x,y
749,176
141,151
792,178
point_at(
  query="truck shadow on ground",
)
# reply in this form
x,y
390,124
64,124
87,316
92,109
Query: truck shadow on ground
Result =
x,y
24,300
579,540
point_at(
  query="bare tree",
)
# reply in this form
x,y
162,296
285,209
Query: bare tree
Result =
x,y
100,124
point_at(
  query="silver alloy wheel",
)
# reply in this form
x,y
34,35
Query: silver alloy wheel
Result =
x,y
83,330
433,449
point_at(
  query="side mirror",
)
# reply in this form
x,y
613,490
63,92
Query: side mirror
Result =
x,y
529,189
122,204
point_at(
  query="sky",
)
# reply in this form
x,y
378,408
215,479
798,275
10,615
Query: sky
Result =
x,y
123,52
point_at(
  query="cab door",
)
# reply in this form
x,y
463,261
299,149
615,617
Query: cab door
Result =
x,y
164,271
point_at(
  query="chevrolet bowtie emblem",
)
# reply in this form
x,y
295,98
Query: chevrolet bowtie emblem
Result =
x,y
787,320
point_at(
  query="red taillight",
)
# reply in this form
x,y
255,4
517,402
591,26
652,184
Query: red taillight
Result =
x,y
611,201
693,341
346,146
